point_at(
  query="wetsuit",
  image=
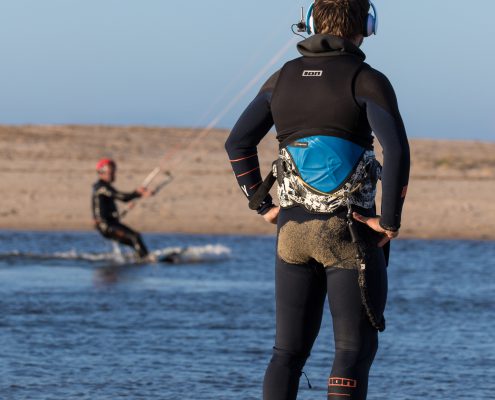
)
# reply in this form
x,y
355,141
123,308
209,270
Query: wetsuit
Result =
x,y
106,216
329,91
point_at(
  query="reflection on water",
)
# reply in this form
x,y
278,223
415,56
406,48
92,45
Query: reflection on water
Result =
x,y
113,274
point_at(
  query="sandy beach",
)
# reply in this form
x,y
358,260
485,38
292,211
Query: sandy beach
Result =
x,y
47,173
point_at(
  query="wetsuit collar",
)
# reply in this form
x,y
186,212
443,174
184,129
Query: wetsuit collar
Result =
x,y
103,182
328,45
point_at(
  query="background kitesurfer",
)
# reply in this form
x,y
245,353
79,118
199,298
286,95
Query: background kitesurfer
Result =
x,y
328,97
105,212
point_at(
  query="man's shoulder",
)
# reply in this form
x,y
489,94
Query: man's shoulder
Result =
x,y
102,187
372,73
372,78
271,82
99,183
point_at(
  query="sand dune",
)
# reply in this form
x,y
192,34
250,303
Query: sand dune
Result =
x,y
47,172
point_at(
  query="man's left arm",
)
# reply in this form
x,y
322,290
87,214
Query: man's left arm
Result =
x,y
125,197
375,93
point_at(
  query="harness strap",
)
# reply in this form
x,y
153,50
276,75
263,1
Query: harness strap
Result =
x,y
363,142
378,322
259,196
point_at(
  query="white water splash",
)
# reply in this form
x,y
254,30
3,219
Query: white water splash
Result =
x,y
189,254
209,252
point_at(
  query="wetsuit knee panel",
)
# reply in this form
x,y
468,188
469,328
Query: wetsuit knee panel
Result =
x,y
367,343
289,359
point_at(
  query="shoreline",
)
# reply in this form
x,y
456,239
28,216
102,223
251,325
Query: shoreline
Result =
x,y
47,173
220,234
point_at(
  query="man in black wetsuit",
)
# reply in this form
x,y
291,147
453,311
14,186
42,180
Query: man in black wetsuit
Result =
x,y
325,106
105,212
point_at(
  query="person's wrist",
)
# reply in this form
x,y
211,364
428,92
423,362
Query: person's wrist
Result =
x,y
387,227
266,206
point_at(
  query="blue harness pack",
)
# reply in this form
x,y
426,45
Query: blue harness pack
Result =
x,y
325,163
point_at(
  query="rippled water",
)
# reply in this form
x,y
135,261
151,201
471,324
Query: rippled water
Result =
x,y
76,324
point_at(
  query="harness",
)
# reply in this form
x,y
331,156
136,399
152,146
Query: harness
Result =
x,y
322,173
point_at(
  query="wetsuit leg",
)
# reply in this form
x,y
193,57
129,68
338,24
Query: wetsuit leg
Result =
x,y
356,341
125,235
300,297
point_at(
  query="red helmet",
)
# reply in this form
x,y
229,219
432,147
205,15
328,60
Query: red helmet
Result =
x,y
103,163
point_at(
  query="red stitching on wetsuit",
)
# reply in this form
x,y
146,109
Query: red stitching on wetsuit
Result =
x,y
256,184
246,173
244,158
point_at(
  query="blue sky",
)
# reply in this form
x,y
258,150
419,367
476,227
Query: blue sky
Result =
x,y
154,62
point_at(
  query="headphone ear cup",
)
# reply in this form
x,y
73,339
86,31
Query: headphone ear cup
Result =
x,y
370,27
311,26
310,22
371,22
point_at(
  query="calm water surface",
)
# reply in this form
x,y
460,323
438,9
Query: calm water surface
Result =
x,y
76,324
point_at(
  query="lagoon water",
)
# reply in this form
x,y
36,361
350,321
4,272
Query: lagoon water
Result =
x,y
76,324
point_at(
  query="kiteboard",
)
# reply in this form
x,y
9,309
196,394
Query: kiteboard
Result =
x,y
172,256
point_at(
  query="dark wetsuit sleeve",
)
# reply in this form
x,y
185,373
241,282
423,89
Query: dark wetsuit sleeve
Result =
x,y
125,197
374,92
97,209
241,145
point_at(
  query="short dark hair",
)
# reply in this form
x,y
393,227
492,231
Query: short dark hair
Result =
x,y
344,18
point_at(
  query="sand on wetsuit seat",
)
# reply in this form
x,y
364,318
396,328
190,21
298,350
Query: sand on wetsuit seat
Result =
x,y
326,242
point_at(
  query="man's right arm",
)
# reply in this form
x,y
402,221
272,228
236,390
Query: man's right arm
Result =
x,y
241,145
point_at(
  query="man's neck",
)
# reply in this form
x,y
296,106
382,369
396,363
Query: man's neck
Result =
x,y
357,40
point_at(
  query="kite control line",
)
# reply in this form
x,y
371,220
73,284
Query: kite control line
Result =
x,y
176,155
146,183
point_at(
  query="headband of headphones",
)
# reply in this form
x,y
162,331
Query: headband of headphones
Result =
x,y
370,26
